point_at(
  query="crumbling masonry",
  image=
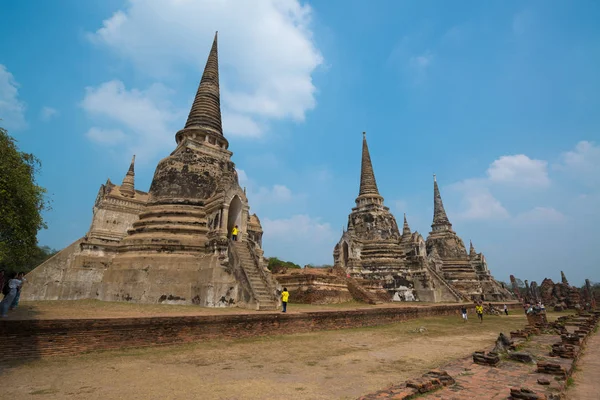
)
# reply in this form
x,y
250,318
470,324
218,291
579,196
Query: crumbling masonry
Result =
x,y
170,245
403,266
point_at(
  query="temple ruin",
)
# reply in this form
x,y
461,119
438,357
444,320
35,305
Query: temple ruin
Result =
x,y
171,244
404,266
560,296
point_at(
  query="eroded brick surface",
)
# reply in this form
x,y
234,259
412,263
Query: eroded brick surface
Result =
x,y
508,379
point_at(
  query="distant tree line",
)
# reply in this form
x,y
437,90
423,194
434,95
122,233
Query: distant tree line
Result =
x,y
22,202
275,264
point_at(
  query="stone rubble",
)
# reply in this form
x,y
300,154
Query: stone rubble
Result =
x,y
485,376
526,394
491,358
521,357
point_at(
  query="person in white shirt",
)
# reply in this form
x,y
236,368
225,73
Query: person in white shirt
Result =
x,y
14,284
15,302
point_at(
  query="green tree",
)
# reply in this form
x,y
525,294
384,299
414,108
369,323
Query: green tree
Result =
x,y
22,201
275,264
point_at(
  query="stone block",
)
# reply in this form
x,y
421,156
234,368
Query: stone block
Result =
x,y
563,350
424,384
544,367
442,376
521,357
526,394
491,358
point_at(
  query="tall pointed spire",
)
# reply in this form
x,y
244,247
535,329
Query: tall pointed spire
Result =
x,y
128,186
206,109
440,219
471,248
368,185
405,228
563,278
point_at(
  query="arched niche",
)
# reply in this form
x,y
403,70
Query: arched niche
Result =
x,y
235,215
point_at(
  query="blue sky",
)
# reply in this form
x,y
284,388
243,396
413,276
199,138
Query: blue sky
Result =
x,y
499,99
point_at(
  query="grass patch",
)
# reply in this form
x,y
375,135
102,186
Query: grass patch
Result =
x,y
43,391
570,382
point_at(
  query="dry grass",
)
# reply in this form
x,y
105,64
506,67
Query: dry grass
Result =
x,y
104,309
324,365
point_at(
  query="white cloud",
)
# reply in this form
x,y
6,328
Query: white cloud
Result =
x,y
481,204
583,162
242,177
421,61
105,136
274,194
47,113
12,109
266,52
240,125
146,115
283,236
540,214
299,227
519,170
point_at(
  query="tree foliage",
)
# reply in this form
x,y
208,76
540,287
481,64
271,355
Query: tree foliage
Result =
x,y
22,201
277,264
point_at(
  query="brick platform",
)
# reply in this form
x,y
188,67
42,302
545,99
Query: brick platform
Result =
x,y
507,379
21,339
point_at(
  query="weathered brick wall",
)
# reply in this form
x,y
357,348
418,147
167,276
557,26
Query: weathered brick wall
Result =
x,y
43,338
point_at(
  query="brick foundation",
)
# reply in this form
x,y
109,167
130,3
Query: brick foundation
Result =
x,y
42,338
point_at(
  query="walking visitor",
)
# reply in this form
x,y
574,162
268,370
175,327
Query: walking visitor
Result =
x,y
505,310
463,311
479,311
234,233
284,299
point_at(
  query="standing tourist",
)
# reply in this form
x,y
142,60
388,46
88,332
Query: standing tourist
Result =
x,y
505,310
13,285
234,233
479,311
284,299
15,302
463,310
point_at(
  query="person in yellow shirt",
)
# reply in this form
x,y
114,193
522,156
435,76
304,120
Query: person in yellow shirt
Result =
x,y
285,295
234,233
479,311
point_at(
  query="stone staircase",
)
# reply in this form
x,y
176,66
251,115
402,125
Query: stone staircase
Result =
x,y
360,293
261,291
459,296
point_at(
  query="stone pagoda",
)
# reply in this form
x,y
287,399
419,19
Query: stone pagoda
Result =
x,y
404,266
170,245
370,247
466,272
373,251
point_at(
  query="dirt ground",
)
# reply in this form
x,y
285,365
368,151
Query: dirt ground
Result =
x,y
587,372
339,364
103,309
